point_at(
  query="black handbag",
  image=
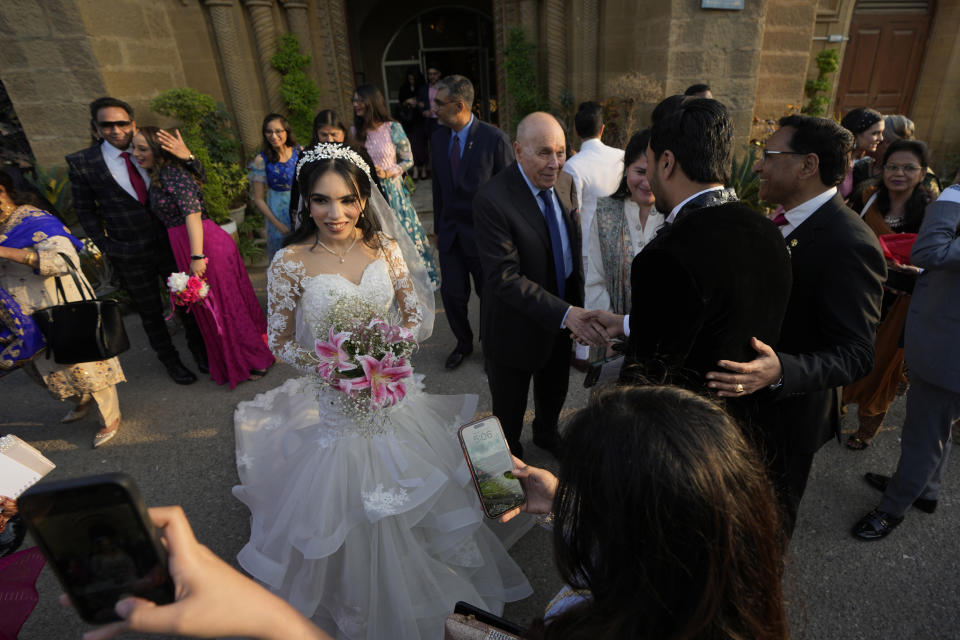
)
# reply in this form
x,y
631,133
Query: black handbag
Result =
x,y
88,330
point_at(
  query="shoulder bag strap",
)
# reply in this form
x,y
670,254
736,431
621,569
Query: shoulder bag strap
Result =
x,y
81,284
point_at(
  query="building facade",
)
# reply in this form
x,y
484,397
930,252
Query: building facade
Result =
x,y
899,56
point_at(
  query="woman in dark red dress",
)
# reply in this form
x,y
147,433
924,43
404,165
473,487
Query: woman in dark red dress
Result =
x,y
231,320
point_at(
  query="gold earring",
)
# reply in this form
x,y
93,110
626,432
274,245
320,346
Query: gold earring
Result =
x,y
7,208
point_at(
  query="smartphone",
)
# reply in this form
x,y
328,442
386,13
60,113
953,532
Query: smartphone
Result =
x,y
100,542
491,466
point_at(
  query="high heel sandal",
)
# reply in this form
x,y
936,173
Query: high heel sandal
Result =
x,y
256,374
102,437
869,427
79,412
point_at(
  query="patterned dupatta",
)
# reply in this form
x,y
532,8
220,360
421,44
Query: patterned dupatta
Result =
x,y
616,251
20,338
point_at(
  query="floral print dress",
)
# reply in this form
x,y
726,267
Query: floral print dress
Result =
x,y
389,149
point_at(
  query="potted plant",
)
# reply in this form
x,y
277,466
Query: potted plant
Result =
x,y
205,128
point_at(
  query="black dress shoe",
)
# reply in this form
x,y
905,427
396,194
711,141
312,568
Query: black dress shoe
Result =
x,y
203,364
180,374
454,359
880,482
875,525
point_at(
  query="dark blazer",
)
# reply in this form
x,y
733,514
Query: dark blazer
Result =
x,y
114,220
520,312
487,152
717,277
830,325
932,349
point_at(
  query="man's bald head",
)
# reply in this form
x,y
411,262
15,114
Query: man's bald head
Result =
x,y
540,149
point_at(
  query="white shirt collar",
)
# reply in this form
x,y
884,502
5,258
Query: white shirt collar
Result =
x,y
798,215
591,142
676,209
533,189
112,150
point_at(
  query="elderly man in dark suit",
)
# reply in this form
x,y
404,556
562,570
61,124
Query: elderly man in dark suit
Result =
x,y
529,240
829,328
110,198
932,352
467,153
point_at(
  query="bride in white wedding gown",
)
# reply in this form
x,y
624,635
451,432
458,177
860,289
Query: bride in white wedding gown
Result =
x,y
372,530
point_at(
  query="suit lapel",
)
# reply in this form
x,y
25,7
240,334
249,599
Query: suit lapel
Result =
x,y
99,168
528,207
467,156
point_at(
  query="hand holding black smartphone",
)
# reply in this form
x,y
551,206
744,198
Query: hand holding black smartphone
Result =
x,y
491,466
100,542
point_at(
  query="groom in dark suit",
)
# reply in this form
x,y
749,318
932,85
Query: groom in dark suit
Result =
x,y
528,235
110,198
467,153
829,328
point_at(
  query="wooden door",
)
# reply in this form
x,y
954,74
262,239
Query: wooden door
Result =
x,y
882,60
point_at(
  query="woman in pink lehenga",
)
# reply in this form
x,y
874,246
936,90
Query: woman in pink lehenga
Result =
x,y
230,319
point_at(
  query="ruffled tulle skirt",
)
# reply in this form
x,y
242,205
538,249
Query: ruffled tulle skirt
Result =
x,y
372,532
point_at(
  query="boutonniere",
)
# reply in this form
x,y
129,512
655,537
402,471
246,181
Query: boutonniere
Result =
x,y
793,243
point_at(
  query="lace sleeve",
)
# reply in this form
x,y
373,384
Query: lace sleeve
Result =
x,y
408,305
284,289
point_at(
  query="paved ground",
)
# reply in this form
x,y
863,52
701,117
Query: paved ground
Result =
x,y
178,444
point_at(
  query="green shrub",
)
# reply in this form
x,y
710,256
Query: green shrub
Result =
x,y
818,89
519,63
207,132
299,93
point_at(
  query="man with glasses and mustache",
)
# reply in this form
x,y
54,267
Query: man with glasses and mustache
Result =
x,y
110,196
828,330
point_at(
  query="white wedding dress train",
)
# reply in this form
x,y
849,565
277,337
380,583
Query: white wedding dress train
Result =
x,y
373,532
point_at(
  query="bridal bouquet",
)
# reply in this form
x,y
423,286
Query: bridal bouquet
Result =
x,y
364,357
185,290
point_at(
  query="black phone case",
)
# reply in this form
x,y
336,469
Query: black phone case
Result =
x,y
30,501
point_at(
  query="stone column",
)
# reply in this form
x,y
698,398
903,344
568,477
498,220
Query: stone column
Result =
x,y
225,32
338,59
555,48
265,35
298,19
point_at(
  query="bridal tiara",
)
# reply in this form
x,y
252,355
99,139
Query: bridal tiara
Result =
x,y
329,151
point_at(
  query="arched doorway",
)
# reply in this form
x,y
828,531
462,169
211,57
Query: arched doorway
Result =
x,y
455,40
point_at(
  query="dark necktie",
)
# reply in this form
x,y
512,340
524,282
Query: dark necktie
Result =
x,y
136,180
455,157
780,219
555,241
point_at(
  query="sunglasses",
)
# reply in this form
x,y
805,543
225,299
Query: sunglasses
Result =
x,y
119,124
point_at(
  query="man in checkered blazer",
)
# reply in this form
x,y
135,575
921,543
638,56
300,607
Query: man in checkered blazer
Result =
x,y
110,198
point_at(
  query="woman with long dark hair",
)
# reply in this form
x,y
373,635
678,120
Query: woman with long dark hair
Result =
x,y
867,126
271,174
895,205
369,527
664,523
389,148
327,127
231,320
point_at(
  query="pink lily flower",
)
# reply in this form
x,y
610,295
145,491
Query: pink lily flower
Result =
x,y
351,386
381,373
331,351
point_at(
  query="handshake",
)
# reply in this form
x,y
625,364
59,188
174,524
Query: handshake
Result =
x,y
593,327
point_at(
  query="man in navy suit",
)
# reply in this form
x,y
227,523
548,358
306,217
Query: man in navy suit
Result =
x,y
466,154
110,198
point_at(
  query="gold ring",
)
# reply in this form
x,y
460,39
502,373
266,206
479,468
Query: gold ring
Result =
x,y
738,388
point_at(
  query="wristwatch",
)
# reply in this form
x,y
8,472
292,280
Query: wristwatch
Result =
x,y
191,158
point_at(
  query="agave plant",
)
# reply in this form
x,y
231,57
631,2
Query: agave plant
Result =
x,y
745,182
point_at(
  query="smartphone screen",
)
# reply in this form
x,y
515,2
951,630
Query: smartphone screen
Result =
x,y
491,466
93,533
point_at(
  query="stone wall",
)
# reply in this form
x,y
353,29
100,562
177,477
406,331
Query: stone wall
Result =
x,y
936,101
784,57
49,69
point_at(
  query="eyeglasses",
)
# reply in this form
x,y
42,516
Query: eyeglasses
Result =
x,y
119,124
906,168
770,152
440,103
